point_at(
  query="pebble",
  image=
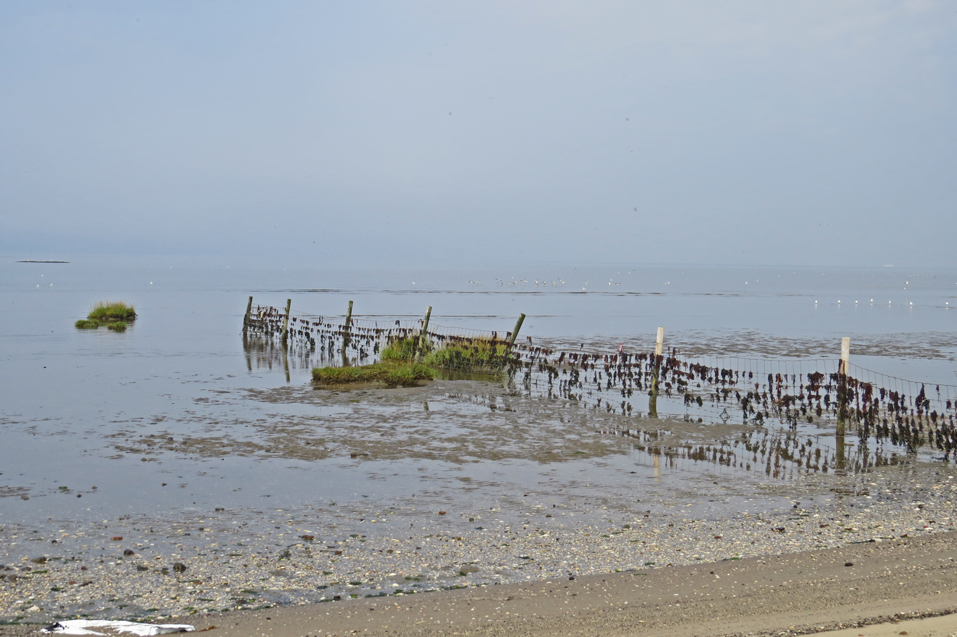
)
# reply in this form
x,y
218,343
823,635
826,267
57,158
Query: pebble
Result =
x,y
240,560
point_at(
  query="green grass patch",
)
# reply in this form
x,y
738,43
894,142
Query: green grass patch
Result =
x,y
117,327
402,349
84,324
476,353
111,312
391,373
464,354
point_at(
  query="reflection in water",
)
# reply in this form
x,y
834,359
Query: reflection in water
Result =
x,y
766,392
268,353
786,437
780,454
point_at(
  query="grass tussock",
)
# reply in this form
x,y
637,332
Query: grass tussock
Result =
x,y
119,326
474,353
84,324
390,373
467,354
403,349
111,312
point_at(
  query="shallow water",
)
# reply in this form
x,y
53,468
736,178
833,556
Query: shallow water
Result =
x,y
175,416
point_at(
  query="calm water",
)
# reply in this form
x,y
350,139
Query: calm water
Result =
x,y
72,401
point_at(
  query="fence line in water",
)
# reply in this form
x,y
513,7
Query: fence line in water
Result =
x,y
760,391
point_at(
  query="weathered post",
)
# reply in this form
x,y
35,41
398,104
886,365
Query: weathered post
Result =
x,y
845,354
249,308
423,335
285,362
518,326
511,342
285,323
656,367
842,400
345,337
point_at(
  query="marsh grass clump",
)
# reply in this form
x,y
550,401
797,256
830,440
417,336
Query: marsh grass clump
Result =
x,y
476,353
112,312
464,355
119,326
84,324
390,373
402,349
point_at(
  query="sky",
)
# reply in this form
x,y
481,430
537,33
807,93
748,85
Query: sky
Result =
x,y
819,132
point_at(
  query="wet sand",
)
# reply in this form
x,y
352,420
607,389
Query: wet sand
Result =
x,y
873,589
512,490
803,593
516,494
741,575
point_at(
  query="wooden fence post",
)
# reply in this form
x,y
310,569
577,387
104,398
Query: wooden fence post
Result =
x,y
845,355
345,337
285,323
842,400
249,308
420,346
656,367
518,326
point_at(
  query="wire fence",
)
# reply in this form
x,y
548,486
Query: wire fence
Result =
x,y
792,392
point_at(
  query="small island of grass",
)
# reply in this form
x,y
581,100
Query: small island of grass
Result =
x,y
112,311
115,314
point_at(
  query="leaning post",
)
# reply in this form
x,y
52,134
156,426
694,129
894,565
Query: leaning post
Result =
x,y
285,323
249,308
656,367
420,345
511,341
518,326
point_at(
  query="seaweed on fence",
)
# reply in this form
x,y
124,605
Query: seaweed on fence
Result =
x,y
756,391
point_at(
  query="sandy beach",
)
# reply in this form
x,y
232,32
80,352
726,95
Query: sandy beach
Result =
x,y
572,550
802,593
189,491
874,588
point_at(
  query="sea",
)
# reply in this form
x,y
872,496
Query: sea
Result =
x,y
96,424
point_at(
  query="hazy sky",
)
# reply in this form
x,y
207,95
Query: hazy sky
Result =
x,y
772,132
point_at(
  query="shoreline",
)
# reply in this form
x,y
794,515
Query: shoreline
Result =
x,y
794,594
558,496
800,593
152,570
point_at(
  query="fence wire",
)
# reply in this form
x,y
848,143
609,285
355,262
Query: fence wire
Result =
x,y
761,391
